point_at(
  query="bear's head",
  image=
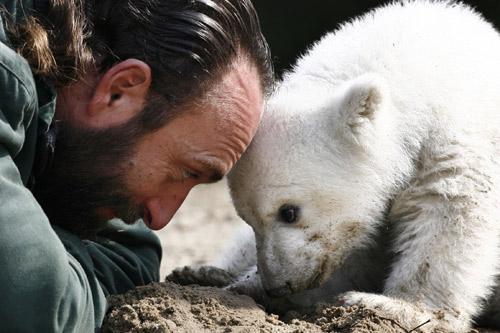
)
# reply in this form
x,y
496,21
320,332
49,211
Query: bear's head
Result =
x,y
317,178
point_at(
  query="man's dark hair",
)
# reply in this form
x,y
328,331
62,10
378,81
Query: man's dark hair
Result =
x,y
188,44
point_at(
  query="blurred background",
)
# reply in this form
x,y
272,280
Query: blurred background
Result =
x,y
206,222
291,25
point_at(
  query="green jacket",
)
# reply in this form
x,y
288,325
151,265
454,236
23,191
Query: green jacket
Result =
x,y
51,280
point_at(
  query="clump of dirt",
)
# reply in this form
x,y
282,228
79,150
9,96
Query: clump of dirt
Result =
x,y
356,319
168,307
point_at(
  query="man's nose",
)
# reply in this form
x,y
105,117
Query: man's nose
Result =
x,y
160,210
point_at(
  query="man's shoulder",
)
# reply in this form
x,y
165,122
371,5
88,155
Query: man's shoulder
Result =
x,y
15,73
18,96
18,107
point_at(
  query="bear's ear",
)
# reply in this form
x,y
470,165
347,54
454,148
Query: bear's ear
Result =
x,y
362,102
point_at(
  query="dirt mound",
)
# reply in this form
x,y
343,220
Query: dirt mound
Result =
x,y
167,307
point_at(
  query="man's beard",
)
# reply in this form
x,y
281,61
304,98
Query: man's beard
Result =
x,y
88,174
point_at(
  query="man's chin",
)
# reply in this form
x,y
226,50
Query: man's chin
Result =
x,y
105,213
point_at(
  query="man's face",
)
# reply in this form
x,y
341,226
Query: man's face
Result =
x,y
108,176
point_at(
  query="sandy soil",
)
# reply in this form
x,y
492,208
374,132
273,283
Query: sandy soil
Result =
x,y
196,236
167,307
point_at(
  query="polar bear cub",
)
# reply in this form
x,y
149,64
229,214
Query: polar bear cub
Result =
x,y
384,135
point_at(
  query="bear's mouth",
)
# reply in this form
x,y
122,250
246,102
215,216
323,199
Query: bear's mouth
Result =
x,y
320,276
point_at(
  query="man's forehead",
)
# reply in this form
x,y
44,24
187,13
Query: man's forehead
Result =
x,y
237,96
242,78
241,97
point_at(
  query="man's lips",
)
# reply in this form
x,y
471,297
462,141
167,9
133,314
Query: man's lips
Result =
x,y
153,213
146,217
107,213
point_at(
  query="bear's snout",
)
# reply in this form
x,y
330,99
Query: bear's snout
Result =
x,y
280,291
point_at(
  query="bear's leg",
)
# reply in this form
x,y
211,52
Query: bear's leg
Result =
x,y
447,242
235,268
240,255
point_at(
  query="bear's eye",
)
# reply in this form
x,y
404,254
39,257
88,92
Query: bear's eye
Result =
x,y
288,213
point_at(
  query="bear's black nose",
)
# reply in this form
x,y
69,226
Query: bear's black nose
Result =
x,y
280,291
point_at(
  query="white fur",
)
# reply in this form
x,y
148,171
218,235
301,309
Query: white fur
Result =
x,y
385,128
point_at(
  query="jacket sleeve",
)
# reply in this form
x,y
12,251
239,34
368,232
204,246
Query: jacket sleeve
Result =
x,y
48,287
121,257
43,288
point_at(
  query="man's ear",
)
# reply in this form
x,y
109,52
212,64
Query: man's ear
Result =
x,y
362,103
120,94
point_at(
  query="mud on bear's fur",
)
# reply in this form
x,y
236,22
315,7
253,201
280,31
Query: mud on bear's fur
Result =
x,y
374,177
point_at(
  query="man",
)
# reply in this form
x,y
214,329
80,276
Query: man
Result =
x,y
112,109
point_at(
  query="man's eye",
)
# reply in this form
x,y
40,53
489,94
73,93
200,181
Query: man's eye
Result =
x,y
190,174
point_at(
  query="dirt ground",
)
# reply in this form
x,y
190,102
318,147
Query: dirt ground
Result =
x,y
196,236
167,307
